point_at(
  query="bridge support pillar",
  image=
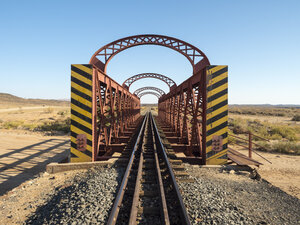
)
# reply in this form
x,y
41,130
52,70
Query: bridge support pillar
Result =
x,y
81,113
216,114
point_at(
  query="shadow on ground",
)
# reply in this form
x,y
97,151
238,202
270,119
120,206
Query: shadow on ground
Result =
x,y
19,165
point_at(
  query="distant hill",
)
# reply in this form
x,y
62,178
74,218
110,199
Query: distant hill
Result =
x,y
267,105
12,100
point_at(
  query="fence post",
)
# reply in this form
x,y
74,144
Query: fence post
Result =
x,y
250,144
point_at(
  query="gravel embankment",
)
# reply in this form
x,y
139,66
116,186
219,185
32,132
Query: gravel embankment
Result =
x,y
87,201
218,197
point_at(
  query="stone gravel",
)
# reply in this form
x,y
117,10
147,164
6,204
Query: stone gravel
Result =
x,y
221,197
87,200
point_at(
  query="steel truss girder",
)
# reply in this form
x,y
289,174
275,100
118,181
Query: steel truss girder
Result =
x,y
116,109
183,110
149,93
138,91
127,83
195,56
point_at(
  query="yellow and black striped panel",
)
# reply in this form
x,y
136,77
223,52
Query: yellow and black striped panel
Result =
x,y
81,110
217,113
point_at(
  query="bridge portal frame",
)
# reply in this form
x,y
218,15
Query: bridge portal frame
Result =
x,y
195,111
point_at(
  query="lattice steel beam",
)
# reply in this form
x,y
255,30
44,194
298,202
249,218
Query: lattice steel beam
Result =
x,y
195,56
149,93
138,91
127,83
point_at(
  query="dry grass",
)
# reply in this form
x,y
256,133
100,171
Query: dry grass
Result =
x,y
265,110
284,134
49,120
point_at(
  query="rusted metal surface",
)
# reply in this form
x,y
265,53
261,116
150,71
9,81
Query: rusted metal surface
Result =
x,y
118,201
127,83
241,159
194,55
116,111
140,90
135,201
249,142
149,93
183,110
184,215
165,214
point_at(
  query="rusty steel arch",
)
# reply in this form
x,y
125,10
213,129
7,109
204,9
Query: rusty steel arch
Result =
x,y
195,56
127,83
138,91
149,93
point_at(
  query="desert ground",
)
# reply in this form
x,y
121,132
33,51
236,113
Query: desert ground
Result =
x,y
35,134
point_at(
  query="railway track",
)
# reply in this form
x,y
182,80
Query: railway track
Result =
x,y
148,193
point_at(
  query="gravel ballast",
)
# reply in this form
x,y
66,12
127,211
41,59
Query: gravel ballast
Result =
x,y
222,197
87,200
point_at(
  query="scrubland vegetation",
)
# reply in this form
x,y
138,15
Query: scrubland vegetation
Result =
x,y
265,110
284,135
49,119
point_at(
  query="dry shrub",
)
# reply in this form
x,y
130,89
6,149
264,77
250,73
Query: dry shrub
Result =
x,y
286,147
296,118
264,129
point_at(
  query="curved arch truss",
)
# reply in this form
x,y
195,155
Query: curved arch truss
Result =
x,y
161,77
138,91
149,93
195,56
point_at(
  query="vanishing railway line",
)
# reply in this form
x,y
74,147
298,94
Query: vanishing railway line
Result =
x,y
148,193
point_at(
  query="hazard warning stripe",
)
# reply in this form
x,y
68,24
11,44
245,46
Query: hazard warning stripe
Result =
x,y
79,115
217,117
217,73
217,112
81,110
81,78
218,133
74,145
82,70
81,84
214,155
81,105
217,95
215,129
218,84
81,94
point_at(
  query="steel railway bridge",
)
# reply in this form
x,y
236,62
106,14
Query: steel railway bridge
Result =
x,y
193,115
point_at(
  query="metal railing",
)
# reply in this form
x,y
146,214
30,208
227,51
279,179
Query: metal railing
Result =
x,y
250,144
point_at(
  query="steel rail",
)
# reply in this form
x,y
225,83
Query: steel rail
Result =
x,y
165,215
136,195
116,207
135,202
184,214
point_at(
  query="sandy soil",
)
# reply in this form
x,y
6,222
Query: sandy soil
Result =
x,y
23,183
284,172
22,156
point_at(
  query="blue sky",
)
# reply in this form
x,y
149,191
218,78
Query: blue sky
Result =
x,y
258,40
